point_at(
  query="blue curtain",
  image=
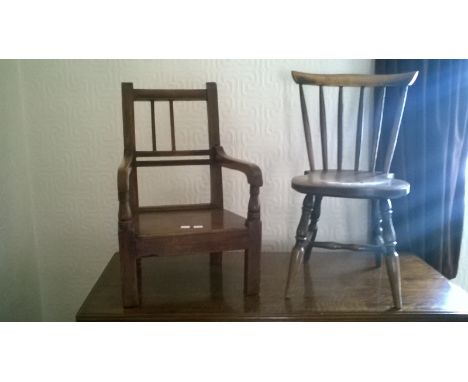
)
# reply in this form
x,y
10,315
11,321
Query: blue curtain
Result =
x,y
431,154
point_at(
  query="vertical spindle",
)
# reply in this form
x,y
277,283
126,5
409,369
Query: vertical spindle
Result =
x,y
395,129
171,106
323,130
153,126
357,155
377,127
305,121
340,128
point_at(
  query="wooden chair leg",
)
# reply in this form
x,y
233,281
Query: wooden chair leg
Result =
x,y
393,270
128,267
252,271
302,241
377,231
378,259
315,216
252,253
139,276
216,275
297,256
391,256
216,259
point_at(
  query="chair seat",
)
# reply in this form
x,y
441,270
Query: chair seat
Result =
x,y
163,223
171,232
351,184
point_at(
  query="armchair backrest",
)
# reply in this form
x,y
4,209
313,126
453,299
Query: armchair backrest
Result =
x,y
172,157
378,82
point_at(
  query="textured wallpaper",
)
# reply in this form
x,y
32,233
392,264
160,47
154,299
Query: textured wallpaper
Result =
x,y
72,113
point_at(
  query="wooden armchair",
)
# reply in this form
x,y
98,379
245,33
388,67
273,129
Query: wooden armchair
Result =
x,y
182,229
375,182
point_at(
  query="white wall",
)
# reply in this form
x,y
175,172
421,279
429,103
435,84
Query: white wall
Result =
x,y
19,285
72,114
462,276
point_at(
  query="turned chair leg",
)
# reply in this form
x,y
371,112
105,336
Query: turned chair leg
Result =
x,y
313,227
377,231
252,271
302,241
129,267
391,256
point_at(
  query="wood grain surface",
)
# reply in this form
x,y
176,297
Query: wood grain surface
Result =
x,y
332,286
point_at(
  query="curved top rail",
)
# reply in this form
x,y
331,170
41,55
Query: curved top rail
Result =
x,y
370,80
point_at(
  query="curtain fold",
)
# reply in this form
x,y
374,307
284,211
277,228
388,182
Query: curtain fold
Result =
x,y
431,154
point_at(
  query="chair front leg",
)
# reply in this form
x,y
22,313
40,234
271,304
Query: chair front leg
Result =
x,y
128,265
252,269
313,227
302,241
252,253
377,231
391,255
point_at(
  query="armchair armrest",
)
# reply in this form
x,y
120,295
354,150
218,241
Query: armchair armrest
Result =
x,y
123,187
252,171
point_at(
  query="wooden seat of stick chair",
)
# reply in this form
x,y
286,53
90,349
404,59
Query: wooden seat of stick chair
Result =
x,y
351,184
379,186
182,229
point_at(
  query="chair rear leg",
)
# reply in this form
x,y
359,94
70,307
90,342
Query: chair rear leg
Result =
x,y
377,231
216,259
391,256
315,216
216,275
128,266
302,241
297,255
139,276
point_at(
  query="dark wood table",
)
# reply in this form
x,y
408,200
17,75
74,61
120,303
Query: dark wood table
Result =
x,y
335,286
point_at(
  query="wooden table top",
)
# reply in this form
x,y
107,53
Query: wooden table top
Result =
x,y
335,286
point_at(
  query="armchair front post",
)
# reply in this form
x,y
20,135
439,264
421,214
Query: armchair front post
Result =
x,y
126,232
253,222
128,204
